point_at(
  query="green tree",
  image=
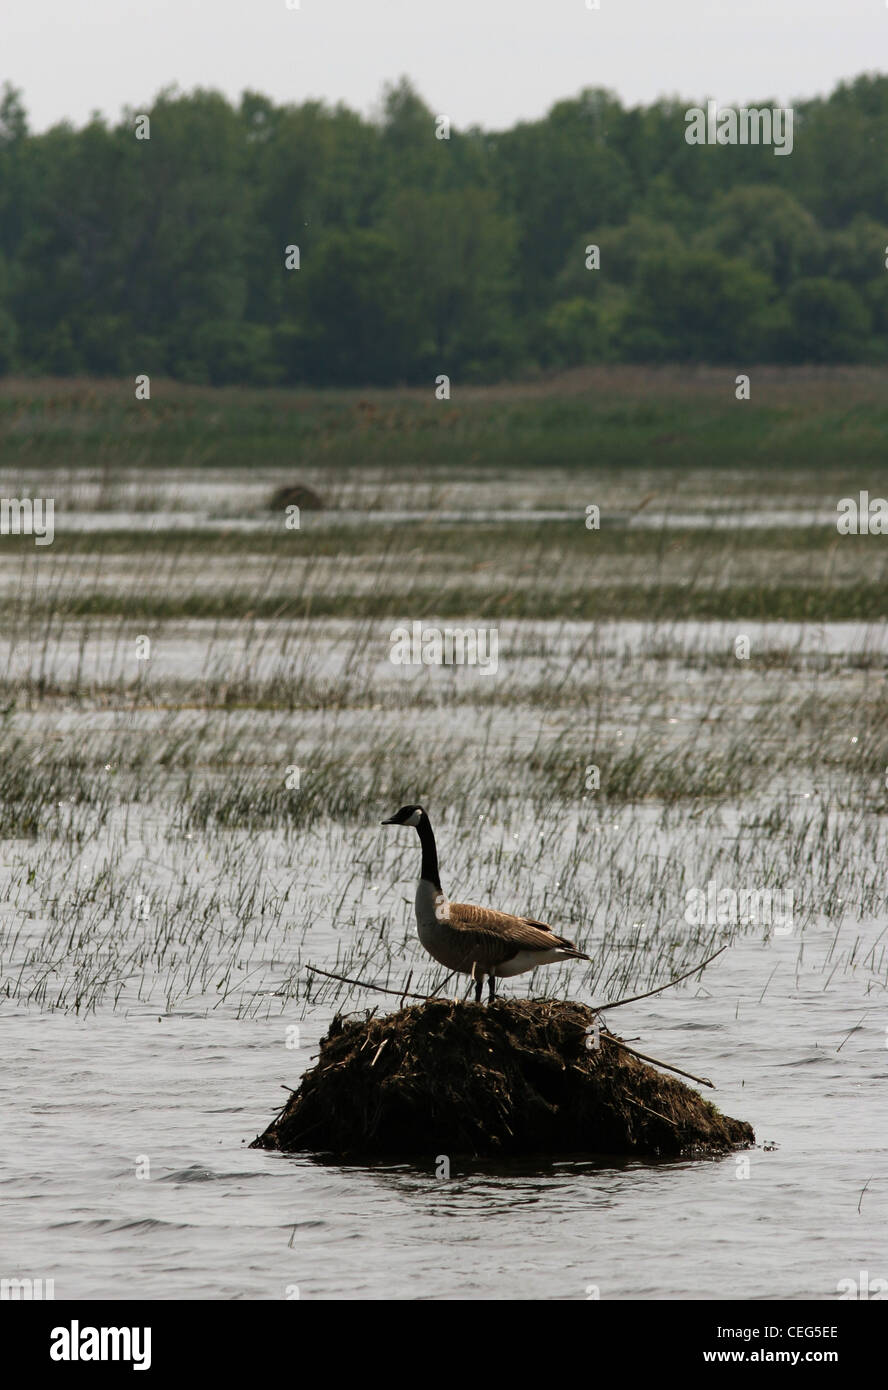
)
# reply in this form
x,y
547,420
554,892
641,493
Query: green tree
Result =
x,y
455,256
828,322
696,305
354,331
769,229
857,252
556,177
420,254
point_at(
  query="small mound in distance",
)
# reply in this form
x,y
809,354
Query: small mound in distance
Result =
x,y
296,495
515,1077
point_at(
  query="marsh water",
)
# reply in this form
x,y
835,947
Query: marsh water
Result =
x,y
160,900
88,1102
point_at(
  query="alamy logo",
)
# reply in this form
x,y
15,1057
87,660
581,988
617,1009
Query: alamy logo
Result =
x,y
724,907
12,1290
865,1288
449,646
76,1343
28,516
747,126
862,516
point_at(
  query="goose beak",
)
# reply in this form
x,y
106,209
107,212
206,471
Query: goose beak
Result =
x,y
390,821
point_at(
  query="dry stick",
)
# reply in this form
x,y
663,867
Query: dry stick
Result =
x,y
659,990
847,1035
364,984
656,1114
411,994
701,1080
445,981
865,1186
380,989
407,988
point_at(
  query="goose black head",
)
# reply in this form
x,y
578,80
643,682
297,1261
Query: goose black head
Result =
x,y
408,815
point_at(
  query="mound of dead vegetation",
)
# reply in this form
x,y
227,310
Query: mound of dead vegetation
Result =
x,y
514,1077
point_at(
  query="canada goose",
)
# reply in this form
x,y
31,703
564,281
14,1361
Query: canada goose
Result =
x,y
475,940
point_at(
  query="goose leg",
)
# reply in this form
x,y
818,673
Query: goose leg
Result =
x,y
491,985
478,977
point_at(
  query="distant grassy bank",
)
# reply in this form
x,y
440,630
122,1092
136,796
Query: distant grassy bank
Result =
x,y
472,509
801,418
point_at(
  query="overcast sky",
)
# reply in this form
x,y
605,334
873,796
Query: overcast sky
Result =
x,y
486,62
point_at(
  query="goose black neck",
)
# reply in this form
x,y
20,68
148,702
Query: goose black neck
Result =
x,y
429,870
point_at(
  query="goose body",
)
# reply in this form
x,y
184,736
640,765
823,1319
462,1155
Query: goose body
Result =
x,y
476,941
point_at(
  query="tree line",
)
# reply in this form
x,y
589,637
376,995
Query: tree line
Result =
x,y
594,234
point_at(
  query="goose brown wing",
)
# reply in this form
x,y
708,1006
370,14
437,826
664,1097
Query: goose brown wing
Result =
x,y
500,935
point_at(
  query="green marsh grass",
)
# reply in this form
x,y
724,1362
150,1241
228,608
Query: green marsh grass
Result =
x,y
153,858
186,810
